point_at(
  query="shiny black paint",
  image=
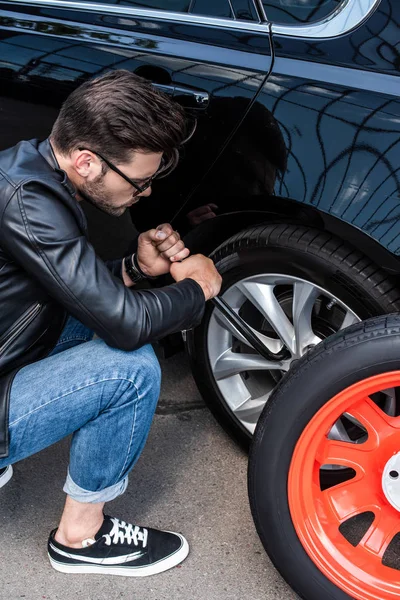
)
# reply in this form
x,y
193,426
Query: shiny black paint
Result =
x,y
353,129
316,140
52,51
325,132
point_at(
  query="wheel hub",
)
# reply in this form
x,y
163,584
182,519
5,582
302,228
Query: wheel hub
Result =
x,y
391,481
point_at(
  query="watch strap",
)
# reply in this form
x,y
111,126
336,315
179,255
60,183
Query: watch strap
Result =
x,y
133,270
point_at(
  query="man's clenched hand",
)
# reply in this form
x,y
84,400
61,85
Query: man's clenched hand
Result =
x,y
159,248
201,269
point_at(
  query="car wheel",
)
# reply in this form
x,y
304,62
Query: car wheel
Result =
x,y
294,286
339,542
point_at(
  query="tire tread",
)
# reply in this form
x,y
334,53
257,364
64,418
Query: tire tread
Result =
x,y
381,285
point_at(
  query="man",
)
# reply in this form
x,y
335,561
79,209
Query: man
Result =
x,y
113,136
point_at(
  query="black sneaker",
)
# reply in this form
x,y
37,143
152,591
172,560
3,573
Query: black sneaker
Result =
x,y
120,548
5,475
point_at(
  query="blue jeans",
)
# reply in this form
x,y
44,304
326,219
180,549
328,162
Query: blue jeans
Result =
x,y
105,397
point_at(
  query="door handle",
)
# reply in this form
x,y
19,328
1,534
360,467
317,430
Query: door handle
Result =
x,y
187,97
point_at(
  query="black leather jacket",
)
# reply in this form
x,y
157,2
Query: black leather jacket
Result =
x,y
48,270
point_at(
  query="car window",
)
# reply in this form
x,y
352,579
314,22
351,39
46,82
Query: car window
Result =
x,y
299,11
245,10
211,8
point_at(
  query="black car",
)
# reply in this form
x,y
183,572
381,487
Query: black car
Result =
x,y
290,182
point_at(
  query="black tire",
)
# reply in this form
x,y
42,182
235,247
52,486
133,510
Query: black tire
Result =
x,y
359,352
295,250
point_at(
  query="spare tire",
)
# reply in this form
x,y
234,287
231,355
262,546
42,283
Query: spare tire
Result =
x,y
339,542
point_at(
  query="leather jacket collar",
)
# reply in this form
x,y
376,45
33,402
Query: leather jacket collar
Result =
x,y
46,150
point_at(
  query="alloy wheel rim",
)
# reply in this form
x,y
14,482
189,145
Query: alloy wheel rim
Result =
x,y
319,515
295,333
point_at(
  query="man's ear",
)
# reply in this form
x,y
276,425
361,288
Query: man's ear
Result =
x,y
86,164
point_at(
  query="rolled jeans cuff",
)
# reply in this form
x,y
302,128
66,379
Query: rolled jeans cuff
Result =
x,y
80,495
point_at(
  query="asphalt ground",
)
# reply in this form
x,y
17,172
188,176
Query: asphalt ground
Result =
x,y
190,478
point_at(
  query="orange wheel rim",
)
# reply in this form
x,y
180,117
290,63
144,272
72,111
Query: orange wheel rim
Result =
x,y
317,514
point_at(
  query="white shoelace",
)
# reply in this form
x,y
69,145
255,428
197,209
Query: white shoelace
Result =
x,y
126,532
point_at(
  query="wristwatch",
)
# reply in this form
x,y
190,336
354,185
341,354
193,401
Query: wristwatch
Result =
x,y
133,270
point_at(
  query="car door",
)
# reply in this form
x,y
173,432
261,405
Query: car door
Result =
x,y
197,51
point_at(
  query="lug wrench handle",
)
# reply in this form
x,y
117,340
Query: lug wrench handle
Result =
x,y
243,328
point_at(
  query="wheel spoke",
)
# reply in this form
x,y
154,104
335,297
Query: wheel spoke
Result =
x,y
250,409
351,498
263,297
383,529
375,421
390,401
304,297
339,432
346,454
232,363
272,344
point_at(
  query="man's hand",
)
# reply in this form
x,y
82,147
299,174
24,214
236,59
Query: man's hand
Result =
x,y
201,269
159,248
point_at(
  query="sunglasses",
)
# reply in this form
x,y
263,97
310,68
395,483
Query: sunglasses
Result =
x,y
163,169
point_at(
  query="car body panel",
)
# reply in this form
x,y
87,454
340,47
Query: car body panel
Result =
x,y
324,131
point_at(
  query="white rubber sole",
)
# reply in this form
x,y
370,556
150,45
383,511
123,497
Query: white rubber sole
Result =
x,y
5,478
159,567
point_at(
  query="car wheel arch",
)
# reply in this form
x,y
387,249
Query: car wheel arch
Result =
x,y
210,234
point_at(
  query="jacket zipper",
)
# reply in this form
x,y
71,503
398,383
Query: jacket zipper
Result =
x,y
19,327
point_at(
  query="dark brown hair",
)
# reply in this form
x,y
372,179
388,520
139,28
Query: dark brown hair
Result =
x,y
117,114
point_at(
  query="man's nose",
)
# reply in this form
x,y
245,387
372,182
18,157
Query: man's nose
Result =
x,y
146,192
